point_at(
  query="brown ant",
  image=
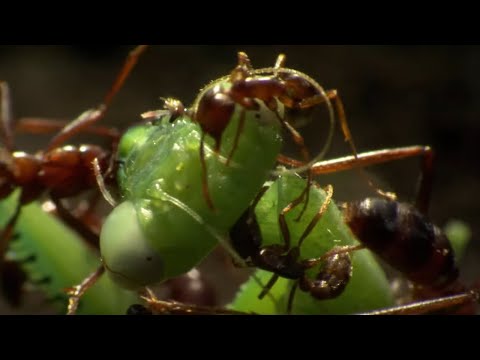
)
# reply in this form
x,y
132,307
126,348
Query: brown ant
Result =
x,y
398,233
402,235
59,171
215,105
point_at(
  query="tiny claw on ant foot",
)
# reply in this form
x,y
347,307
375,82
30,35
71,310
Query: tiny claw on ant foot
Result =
x,y
71,291
74,294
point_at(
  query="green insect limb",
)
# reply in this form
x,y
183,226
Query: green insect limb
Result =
x,y
161,240
58,258
367,289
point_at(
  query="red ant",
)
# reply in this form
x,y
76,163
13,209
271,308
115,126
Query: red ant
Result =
x,y
216,103
60,172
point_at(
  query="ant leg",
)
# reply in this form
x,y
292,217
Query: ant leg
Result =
x,y
91,116
268,287
286,232
77,291
333,278
241,125
364,159
339,107
286,235
300,142
425,183
291,296
84,211
6,117
203,162
298,139
333,95
283,223
84,231
317,217
48,126
159,307
337,250
429,306
162,307
380,157
101,184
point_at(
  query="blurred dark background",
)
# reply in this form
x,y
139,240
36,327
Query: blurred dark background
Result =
x,y
394,96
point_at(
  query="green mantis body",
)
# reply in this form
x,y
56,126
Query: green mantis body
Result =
x,y
58,258
176,241
367,289
164,227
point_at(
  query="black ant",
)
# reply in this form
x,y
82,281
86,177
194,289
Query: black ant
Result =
x,y
283,260
402,235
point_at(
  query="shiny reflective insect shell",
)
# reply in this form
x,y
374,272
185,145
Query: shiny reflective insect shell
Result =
x,y
399,233
158,175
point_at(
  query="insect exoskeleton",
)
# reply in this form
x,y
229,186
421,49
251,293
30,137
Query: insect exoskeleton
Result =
x,y
368,287
164,227
399,233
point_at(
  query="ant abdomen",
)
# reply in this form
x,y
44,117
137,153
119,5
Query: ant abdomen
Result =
x,y
403,237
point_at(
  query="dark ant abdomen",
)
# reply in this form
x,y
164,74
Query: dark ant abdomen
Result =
x,y
404,238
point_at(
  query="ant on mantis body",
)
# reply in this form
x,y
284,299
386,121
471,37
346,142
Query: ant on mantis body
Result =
x,y
58,171
400,234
